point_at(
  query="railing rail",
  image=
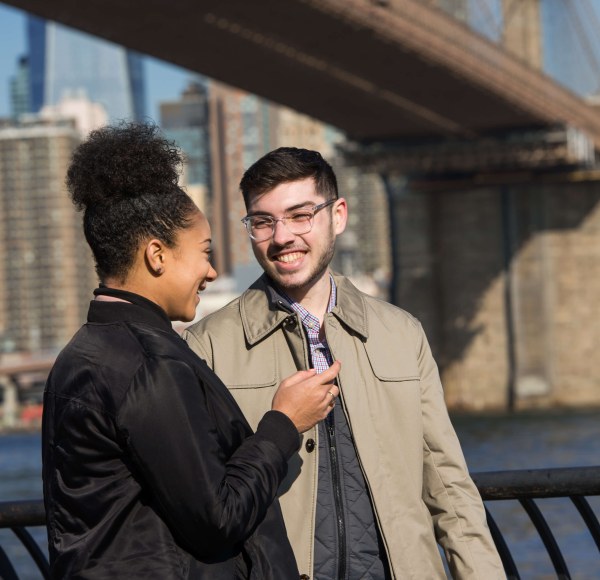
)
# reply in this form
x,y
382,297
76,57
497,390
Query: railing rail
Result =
x,y
17,516
524,486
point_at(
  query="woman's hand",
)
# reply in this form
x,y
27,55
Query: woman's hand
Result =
x,y
307,397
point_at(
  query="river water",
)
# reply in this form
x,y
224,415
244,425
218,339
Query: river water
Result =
x,y
490,443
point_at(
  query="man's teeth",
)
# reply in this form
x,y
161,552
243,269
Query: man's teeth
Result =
x,y
290,257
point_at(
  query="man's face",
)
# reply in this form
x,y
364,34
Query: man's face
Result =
x,y
297,262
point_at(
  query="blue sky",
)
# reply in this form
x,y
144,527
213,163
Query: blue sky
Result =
x,y
163,81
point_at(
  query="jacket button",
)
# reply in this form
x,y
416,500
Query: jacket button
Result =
x,y
291,322
304,577
310,447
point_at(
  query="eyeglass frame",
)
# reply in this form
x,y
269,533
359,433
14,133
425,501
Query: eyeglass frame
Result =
x,y
314,209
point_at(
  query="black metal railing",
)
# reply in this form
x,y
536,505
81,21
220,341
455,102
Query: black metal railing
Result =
x,y
524,486
17,516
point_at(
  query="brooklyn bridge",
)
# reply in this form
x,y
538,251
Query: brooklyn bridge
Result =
x,y
490,162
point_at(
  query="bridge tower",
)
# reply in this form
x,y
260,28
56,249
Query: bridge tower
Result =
x,y
521,30
495,239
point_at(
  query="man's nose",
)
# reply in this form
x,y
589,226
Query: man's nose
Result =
x,y
281,234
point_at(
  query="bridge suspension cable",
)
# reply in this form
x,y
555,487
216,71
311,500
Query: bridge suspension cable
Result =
x,y
491,21
583,36
593,17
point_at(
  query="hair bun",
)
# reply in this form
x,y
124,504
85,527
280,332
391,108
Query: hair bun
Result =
x,y
122,161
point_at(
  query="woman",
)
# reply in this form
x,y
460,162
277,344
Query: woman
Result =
x,y
150,470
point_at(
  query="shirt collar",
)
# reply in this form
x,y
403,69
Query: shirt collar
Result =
x,y
305,315
263,309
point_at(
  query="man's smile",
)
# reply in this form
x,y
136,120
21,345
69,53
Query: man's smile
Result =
x,y
288,257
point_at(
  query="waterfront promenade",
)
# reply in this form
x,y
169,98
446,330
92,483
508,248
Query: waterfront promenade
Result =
x,y
490,443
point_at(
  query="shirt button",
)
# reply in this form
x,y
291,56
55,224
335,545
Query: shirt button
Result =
x,y
304,577
310,447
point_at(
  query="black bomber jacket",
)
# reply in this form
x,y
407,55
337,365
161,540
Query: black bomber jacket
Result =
x,y
150,469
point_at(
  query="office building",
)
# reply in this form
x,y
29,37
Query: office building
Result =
x,y
19,89
242,128
185,121
46,270
79,110
65,62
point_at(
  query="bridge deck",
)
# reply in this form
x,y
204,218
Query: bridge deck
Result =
x,y
376,69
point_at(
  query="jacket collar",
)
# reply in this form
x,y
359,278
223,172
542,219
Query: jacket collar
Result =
x,y
136,309
262,309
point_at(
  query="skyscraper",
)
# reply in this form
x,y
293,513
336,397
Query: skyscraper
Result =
x,y
242,128
65,62
46,270
19,89
185,121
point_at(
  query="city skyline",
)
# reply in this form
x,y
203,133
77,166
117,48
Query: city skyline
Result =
x,y
164,81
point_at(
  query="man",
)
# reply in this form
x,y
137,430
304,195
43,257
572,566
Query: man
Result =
x,y
383,476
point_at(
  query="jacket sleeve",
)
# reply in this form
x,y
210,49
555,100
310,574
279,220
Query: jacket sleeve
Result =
x,y
209,501
448,491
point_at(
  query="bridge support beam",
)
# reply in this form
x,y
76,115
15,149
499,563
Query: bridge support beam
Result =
x,y
501,265
396,189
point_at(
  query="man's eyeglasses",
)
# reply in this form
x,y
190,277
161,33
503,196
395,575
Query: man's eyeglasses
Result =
x,y
262,227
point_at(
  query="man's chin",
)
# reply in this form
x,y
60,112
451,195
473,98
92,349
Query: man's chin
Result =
x,y
287,280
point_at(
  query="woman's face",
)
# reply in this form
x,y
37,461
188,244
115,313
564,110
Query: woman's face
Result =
x,y
187,270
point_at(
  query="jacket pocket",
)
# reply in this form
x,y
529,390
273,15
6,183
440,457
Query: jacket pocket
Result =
x,y
252,369
392,362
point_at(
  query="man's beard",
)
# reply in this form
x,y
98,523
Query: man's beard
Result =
x,y
317,272
315,275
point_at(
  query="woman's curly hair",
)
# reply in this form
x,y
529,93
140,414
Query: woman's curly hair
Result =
x,y
124,178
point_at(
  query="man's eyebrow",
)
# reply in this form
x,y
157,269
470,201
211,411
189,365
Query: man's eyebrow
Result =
x,y
287,210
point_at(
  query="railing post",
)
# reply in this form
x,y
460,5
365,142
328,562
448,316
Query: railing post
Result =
x,y
539,521
590,519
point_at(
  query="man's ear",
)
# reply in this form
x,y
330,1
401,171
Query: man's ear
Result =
x,y
340,215
155,256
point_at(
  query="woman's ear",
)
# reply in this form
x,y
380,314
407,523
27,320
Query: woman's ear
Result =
x,y
155,255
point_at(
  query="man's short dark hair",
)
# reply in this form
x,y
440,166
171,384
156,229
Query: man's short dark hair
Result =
x,y
288,164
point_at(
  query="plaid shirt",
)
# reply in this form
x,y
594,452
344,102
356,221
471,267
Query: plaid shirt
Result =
x,y
319,349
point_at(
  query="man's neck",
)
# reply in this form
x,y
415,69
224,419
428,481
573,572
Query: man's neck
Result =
x,y
315,298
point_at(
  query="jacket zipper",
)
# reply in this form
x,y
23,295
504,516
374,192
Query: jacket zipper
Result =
x,y
369,490
337,495
375,512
